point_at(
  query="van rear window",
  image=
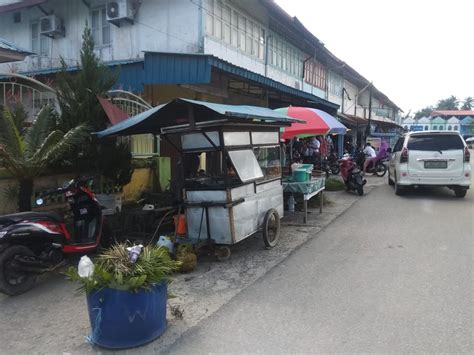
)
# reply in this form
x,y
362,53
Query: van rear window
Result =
x,y
435,142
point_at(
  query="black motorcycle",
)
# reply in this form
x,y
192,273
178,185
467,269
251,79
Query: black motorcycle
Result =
x,y
333,163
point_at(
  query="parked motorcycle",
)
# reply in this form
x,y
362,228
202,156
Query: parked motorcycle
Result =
x,y
333,163
352,175
32,243
329,165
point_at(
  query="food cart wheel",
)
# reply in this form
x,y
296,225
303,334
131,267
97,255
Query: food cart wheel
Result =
x,y
222,253
271,228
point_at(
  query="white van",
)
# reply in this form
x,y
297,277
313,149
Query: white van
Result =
x,y
434,158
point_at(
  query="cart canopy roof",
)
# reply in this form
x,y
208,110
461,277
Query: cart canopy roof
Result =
x,y
187,112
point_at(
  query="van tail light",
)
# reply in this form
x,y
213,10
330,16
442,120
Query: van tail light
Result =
x,y
404,156
467,155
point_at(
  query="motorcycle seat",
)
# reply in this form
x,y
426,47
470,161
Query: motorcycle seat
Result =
x,y
22,216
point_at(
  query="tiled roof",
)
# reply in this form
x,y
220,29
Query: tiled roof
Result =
x,y
452,113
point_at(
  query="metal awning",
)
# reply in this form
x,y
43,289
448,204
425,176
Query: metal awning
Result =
x,y
18,5
196,68
187,112
10,52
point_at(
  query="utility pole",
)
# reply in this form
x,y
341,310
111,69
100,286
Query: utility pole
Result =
x,y
368,129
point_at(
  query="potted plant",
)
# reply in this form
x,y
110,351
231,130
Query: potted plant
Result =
x,y
126,289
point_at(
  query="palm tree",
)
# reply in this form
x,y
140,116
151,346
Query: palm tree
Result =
x,y
27,152
468,103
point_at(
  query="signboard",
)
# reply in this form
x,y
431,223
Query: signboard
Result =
x,y
416,128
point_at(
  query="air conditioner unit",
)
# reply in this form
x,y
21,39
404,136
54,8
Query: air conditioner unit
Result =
x,y
120,10
51,26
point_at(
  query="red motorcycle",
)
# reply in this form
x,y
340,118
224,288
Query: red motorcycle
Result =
x,y
32,243
352,175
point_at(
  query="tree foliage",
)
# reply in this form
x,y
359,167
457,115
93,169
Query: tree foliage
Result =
x,y
468,103
77,97
450,103
424,112
27,152
77,91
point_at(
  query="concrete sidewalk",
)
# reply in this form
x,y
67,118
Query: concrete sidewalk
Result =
x,y
51,318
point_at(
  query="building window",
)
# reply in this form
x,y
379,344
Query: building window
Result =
x,y
234,28
39,44
100,27
284,56
450,128
315,73
455,128
435,128
406,127
335,85
426,128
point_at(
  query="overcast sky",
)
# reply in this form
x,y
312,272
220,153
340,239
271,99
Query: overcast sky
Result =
x,y
415,51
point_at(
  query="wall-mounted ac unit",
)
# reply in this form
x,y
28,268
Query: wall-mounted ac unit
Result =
x,y
119,11
51,26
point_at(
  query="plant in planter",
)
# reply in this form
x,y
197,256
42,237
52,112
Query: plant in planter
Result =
x,y
126,290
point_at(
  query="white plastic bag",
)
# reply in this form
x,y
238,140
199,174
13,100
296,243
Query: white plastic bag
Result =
x,y
85,267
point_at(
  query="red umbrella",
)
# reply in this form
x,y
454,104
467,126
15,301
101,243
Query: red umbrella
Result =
x,y
315,124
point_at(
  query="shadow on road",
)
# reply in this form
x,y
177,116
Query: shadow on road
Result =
x,y
433,193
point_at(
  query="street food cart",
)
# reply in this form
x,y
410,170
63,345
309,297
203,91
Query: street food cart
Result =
x,y
230,166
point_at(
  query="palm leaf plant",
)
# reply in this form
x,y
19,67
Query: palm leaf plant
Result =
x,y
27,152
114,269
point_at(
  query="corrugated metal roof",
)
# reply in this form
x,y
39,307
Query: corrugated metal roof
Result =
x,y
267,82
183,68
243,111
130,75
171,114
176,68
20,5
4,44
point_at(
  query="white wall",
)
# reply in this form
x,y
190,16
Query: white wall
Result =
x,y
160,25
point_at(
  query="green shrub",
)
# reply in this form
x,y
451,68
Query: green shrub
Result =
x,y
334,185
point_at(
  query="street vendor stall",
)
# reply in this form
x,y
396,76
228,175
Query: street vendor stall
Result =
x,y
230,164
312,122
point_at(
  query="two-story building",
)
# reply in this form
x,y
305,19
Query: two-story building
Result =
x,y
229,51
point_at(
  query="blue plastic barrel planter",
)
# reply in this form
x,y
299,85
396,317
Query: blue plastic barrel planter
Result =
x,y
124,319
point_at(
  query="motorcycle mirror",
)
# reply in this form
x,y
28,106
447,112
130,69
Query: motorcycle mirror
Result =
x,y
39,201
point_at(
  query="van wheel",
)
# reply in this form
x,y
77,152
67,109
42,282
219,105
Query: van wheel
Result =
x,y
460,192
399,191
390,181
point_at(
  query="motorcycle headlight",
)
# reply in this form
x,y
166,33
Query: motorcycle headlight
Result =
x,y
2,234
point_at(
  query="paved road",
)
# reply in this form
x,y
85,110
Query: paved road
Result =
x,y
392,274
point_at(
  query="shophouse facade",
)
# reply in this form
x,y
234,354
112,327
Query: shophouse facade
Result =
x,y
228,51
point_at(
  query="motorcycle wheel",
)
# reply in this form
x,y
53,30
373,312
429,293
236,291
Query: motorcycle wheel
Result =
x,y
360,190
380,170
14,282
